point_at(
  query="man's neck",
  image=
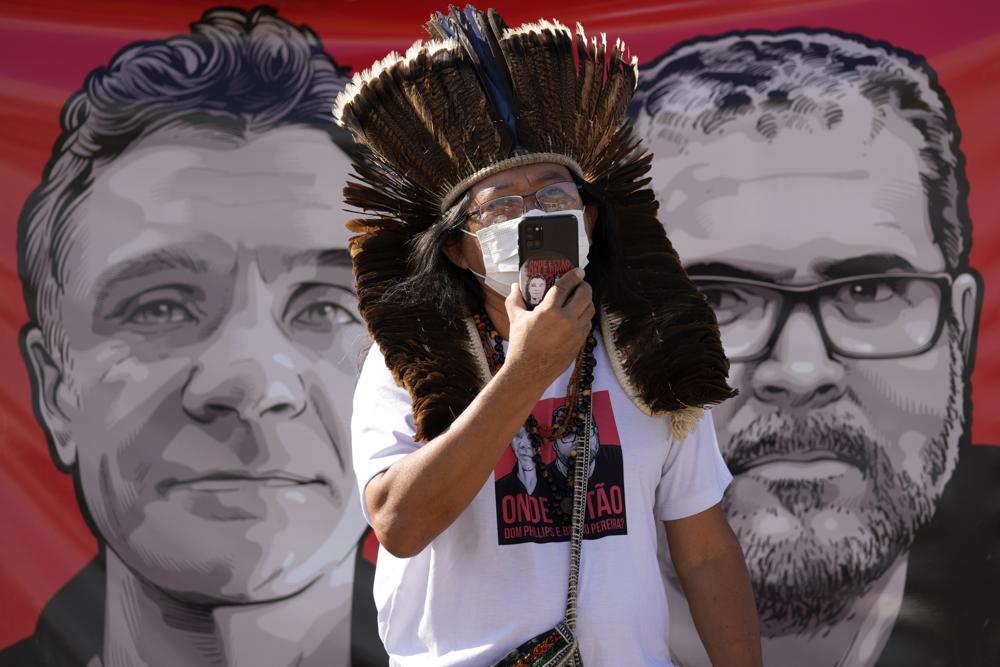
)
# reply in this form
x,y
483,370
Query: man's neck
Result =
x,y
144,627
497,310
528,478
855,641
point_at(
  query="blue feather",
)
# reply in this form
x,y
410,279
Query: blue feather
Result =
x,y
496,75
445,24
467,28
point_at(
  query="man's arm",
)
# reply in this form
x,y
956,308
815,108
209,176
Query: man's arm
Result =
x,y
710,565
420,495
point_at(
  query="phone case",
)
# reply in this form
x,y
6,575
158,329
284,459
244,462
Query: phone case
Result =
x,y
547,248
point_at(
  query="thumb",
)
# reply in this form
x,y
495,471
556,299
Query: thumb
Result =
x,y
515,300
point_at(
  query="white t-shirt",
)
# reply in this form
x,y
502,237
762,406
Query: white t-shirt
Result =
x,y
497,576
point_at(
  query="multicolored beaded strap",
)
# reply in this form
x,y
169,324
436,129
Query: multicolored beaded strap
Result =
x,y
544,650
577,392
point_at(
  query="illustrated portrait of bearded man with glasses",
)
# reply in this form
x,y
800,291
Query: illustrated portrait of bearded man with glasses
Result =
x,y
814,185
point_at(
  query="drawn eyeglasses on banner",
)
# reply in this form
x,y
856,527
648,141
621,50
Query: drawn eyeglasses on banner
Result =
x,y
872,316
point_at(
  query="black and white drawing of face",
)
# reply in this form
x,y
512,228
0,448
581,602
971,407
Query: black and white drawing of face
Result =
x,y
523,450
838,460
564,445
212,349
536,290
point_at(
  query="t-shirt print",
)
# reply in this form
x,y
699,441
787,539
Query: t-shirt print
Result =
x,y
524,501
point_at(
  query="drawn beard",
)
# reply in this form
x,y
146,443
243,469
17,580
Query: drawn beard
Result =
x,y
804,578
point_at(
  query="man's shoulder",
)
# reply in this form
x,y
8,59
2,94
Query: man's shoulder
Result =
x,y
508,485
970,493
981,454
609,453
953,571
966,523
70,628
22,654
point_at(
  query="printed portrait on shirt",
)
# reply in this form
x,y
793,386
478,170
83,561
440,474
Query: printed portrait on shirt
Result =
x,y
527,489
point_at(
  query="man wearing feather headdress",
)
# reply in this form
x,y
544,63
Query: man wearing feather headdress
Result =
x,y
463,137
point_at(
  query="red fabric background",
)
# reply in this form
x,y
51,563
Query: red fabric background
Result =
x,y
47,47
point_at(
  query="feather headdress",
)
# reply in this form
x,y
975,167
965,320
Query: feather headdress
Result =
x,y
474,100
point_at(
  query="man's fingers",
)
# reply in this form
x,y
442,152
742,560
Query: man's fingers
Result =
x,y
587,316
570,279
579,300
515,300
562,289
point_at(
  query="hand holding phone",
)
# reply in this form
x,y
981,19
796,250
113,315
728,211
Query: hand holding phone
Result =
x,y
548,248
543,343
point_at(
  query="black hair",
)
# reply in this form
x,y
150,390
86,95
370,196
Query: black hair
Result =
x,y
803,78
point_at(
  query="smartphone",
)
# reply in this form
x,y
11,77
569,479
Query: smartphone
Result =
x,y
547,248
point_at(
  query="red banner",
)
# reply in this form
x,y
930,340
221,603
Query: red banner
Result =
x,y
807,228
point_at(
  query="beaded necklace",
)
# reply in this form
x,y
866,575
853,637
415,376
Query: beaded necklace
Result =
x,y
577,392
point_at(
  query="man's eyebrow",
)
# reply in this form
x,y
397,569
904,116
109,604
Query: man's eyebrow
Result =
x,y
332,257
152,262
827,269
864,264
498,186
724,270
551,176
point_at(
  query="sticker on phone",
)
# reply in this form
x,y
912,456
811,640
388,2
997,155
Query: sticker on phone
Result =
x,y
547,247
540,273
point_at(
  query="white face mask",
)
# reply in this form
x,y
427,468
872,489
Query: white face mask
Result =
x,y
498,243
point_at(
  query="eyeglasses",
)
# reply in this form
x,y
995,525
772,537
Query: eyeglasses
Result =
x,y
561,196
877,316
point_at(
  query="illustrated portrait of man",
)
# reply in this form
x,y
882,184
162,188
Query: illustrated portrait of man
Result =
x,y
565,444
814,185
193,342
605,461
536,289
524,477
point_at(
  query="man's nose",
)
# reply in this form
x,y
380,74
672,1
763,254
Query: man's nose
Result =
x,y
799,373
248,371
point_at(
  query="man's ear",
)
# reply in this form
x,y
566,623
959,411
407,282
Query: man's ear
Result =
x,y
50,396
967,301
453,251
589,219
